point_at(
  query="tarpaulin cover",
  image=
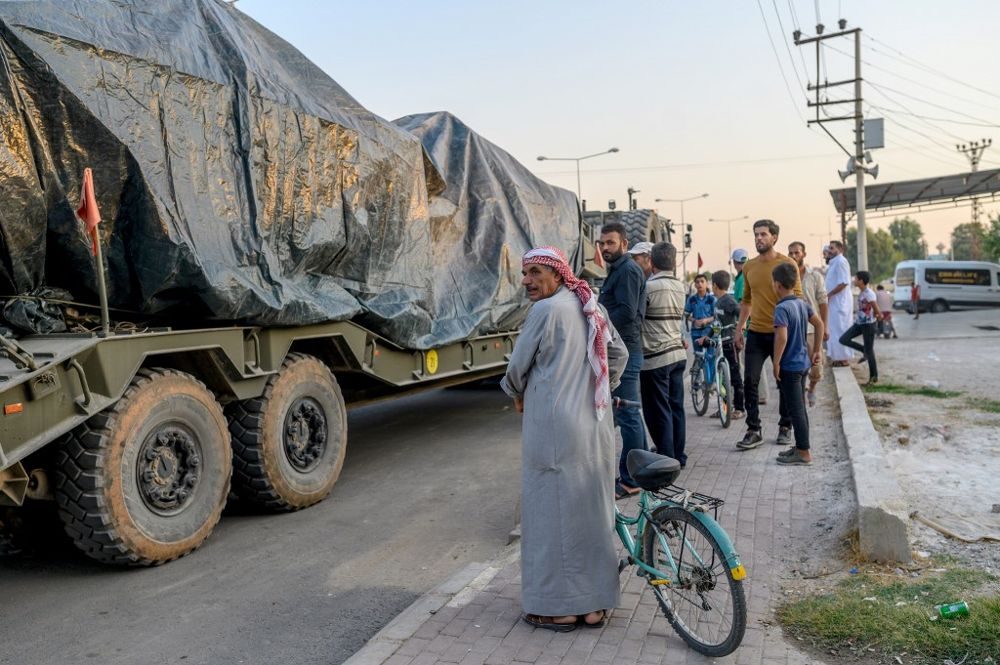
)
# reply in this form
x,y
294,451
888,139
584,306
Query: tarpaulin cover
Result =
x,y
491,211
238,182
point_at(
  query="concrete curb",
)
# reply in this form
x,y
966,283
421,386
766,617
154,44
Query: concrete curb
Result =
x,y
456,591
882,512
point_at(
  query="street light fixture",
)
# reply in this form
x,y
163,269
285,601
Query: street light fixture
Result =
x,y
683,225
729,231
579,194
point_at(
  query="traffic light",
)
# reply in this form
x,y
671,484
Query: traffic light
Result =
x,y
687,239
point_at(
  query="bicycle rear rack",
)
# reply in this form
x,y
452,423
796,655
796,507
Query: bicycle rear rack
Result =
x,y
690,500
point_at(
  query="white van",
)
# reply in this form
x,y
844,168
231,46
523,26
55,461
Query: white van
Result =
x,y
945,284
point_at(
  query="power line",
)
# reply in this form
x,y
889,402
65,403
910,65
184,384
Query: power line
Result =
x,y
780,68
924,120
949,95
985,123
916,63
922,135
791,58
689,165
795,20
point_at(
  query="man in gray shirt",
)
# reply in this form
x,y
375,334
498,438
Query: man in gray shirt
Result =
x,y
661,381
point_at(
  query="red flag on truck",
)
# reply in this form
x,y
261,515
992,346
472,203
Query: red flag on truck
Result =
x,y
598,257
700,263
88,211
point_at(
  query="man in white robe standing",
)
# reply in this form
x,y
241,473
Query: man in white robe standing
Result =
x,y
560,374
838,291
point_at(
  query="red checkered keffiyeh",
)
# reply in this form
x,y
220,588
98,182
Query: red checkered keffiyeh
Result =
x,y
597,327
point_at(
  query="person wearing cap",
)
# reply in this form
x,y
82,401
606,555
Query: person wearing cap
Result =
x,y
661,381
740,258
641,255
624,296
561,371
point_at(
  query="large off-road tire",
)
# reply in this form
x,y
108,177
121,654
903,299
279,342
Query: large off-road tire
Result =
x,y
636,224
289,444
145,481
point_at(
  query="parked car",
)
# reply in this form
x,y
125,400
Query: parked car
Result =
x,y
946,284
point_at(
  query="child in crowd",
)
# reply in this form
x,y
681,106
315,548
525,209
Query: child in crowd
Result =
x,y
864,324
792,358
727,311
884,301
700,306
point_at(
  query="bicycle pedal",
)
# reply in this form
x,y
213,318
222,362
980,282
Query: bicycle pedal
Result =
x,y
660,582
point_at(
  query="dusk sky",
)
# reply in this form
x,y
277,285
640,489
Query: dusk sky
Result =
x,y
690,92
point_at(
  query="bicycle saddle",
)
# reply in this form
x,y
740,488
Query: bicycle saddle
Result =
x,y
651,471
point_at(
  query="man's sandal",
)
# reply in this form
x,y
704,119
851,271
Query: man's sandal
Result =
x,y
540,622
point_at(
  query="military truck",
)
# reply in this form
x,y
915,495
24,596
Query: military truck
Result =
x,y
641,225
294,253
139,436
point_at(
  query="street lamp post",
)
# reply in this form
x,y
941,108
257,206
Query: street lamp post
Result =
x,y
579,194
683,225
729,232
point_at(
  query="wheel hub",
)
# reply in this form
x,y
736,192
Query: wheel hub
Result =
x,y
168,470
305,434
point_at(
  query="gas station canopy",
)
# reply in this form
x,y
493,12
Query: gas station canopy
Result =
x,y
926,192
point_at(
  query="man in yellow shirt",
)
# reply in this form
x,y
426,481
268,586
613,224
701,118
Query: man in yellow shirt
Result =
x,y
759,301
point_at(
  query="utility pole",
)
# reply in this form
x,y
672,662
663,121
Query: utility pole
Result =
x,y
974,151
857,159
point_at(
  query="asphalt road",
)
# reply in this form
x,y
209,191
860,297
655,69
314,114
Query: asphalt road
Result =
x,y
429,484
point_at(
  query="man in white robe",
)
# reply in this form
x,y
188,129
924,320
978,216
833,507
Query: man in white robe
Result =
x,y
838,291
560,375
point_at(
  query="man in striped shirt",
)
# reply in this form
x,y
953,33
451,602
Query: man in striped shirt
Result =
x,y
661,381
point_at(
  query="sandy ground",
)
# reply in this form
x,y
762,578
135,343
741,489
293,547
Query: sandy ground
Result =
x,y
945,452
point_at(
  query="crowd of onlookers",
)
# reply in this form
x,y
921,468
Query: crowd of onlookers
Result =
x,y
774,308
580,358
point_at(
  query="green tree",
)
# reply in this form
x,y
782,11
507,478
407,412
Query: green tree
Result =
x,y
908,238
967,242
882,253
991,243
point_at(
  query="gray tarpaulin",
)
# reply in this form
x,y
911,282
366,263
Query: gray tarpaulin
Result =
x,y
238,182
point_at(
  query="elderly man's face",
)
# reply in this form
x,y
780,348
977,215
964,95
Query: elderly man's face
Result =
x,y
797,254
612,246
539,281
645,263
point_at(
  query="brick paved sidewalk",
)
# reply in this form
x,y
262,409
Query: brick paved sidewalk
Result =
x,y
771,512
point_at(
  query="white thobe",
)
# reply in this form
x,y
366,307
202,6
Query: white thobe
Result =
x,y
841,307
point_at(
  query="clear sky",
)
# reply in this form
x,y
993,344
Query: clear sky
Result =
x,y
690,92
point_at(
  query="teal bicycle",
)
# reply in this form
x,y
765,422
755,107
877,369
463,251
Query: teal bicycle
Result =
x,y
685,555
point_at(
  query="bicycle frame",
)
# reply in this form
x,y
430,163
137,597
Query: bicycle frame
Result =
x,y
633,545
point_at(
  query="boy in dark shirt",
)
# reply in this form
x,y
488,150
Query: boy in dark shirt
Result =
x,y
700,306
727,312
792,359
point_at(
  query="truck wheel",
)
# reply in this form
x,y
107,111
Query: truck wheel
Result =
x,y
939,306
145,481
289,445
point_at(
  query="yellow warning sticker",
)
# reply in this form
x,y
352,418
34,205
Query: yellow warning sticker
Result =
x,y
431,361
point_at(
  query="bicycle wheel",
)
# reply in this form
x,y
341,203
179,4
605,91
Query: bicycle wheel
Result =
x,y
699,387
724,393
702,601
